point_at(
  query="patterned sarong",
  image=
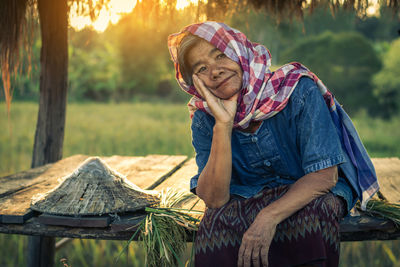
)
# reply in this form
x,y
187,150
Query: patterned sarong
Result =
x,y
310,236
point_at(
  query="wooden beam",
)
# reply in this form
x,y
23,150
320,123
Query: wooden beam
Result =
x,y
128,225
90,222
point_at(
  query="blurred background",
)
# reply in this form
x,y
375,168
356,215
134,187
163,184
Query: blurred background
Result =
x,y
123,98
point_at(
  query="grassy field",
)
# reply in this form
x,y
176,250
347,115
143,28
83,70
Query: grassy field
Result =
x,y
140,129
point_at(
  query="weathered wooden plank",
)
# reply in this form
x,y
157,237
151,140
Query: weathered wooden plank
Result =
x,y
181,180
150,170
15,182
143,171
93,221
17,218
364,223
358,229
388,172
393,234
33,227
127,223
14,208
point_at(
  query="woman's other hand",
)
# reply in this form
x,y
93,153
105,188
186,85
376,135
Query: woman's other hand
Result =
x,y
256,242
224,110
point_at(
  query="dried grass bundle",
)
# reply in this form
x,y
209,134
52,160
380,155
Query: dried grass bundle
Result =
x,y
164,230
383,209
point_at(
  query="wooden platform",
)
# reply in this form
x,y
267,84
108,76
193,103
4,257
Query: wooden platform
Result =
x,y
154,172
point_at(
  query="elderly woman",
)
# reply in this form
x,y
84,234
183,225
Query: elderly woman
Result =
x,y
279,163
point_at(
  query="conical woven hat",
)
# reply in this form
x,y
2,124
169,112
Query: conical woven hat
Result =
x,y
93,189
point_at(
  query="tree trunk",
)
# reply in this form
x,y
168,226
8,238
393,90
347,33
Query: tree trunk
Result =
x,y
49,135
50,125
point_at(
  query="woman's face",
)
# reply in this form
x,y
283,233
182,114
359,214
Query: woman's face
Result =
x,y
221,75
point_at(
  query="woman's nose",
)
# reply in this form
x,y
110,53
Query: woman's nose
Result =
x,y
216,73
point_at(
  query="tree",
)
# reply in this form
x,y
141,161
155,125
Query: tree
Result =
x,y
93,68
345,62
382,28
387,83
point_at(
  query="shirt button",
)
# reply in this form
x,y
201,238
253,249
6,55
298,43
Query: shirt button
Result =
x,y
267,163
254,139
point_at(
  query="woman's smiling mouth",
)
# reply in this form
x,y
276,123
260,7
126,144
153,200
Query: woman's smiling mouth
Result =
x,y
224,81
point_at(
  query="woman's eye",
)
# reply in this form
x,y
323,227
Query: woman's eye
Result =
x,y
201,69
222,55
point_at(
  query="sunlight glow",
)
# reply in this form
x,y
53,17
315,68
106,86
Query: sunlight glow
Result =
x,y
113,14
106,16
181,4
373,9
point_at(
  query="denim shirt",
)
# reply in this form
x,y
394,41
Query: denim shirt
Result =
x,y
298,140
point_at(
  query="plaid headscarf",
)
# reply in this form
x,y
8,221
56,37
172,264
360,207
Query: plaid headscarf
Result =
x,y
265,93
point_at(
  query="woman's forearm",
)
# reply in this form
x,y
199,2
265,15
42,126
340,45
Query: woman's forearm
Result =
x,y
214,180
302,192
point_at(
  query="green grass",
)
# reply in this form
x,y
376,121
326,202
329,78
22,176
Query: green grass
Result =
x,y
99,129
151,128
380,137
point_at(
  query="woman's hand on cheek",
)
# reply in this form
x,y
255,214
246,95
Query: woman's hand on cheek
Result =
x,y
224,111
256,242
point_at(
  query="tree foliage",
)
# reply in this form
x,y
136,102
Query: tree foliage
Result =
x,y
93,69
387,83
345,62
383,28
144,60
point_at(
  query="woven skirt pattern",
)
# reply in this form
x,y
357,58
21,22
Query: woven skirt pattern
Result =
x,y
309,236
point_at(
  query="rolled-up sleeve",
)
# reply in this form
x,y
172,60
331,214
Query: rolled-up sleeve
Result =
x,y
201,141
317,136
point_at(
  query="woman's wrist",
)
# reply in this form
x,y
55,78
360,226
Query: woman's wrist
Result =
x,y
272,216
223,126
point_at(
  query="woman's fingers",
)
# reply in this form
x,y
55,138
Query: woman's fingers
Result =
x,y
241,253
255,256
223,110
264,255
256,242
201,88
250,253
247,256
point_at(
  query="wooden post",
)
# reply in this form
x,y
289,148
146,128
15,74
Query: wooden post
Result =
x,y
41,251
50,125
